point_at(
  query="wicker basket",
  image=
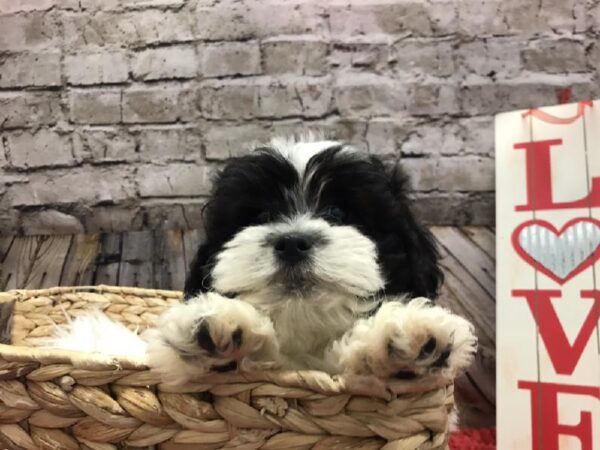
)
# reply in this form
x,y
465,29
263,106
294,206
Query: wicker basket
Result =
x,y
69,400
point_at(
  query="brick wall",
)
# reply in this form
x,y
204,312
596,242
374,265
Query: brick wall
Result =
x,y
114,113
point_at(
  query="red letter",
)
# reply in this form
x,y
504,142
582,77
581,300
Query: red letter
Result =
x,y
564,357
545,428
539,179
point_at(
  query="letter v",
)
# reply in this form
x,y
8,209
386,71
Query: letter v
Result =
x,y
564,356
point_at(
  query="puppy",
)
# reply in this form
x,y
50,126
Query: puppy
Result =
x,y
312,260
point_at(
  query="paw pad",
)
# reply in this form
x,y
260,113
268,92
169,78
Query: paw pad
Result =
x,y
442,360
428,348
205,340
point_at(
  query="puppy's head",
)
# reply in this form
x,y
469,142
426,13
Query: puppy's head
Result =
x,y
296,218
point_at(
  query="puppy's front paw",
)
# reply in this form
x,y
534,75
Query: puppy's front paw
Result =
x,y
210,333
410,340
428,340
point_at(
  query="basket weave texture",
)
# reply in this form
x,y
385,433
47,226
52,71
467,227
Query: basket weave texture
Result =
x,y
51,399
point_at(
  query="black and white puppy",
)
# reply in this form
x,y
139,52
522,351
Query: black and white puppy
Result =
x,y
312,260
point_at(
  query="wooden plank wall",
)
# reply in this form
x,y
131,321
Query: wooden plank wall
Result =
x,y
140,258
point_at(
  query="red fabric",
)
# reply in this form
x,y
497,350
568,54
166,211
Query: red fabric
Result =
x,y
473,439
564,96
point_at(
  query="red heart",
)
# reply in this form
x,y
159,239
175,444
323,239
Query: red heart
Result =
x,y
540,257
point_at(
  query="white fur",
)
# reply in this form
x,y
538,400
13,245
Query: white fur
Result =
x,y
94,332
305,330
300,152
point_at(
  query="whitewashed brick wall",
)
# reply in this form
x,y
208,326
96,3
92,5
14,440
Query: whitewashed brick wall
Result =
x,y
114,113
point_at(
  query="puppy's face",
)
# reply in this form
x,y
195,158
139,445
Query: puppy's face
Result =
x,y
301,218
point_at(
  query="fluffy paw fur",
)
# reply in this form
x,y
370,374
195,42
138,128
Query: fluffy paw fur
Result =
x,y
406,341
210,333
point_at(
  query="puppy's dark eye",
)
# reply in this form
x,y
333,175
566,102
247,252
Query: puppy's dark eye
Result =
x,y
335,214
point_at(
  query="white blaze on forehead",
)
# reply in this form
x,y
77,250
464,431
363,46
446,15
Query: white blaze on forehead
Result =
x,y
299,153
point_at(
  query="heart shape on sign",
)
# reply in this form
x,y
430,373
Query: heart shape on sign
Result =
x,y
560,254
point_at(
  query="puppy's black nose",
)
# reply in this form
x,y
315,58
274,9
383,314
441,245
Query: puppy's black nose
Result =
x,y
292,249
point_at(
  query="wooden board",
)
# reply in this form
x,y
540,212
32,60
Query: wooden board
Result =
x,y
191,243
48,261
80,262
108,260
34,261
463,290
479,264
17,262
545,248
5,244
169,268
475,393
137,253
484,238
571,309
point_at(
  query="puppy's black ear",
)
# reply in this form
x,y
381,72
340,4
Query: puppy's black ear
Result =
x,y
415,270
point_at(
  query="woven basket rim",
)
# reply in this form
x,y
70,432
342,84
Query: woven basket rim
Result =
x,y
302,379
19,294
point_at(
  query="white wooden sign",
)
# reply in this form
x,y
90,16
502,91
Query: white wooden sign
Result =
x,y
548,280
